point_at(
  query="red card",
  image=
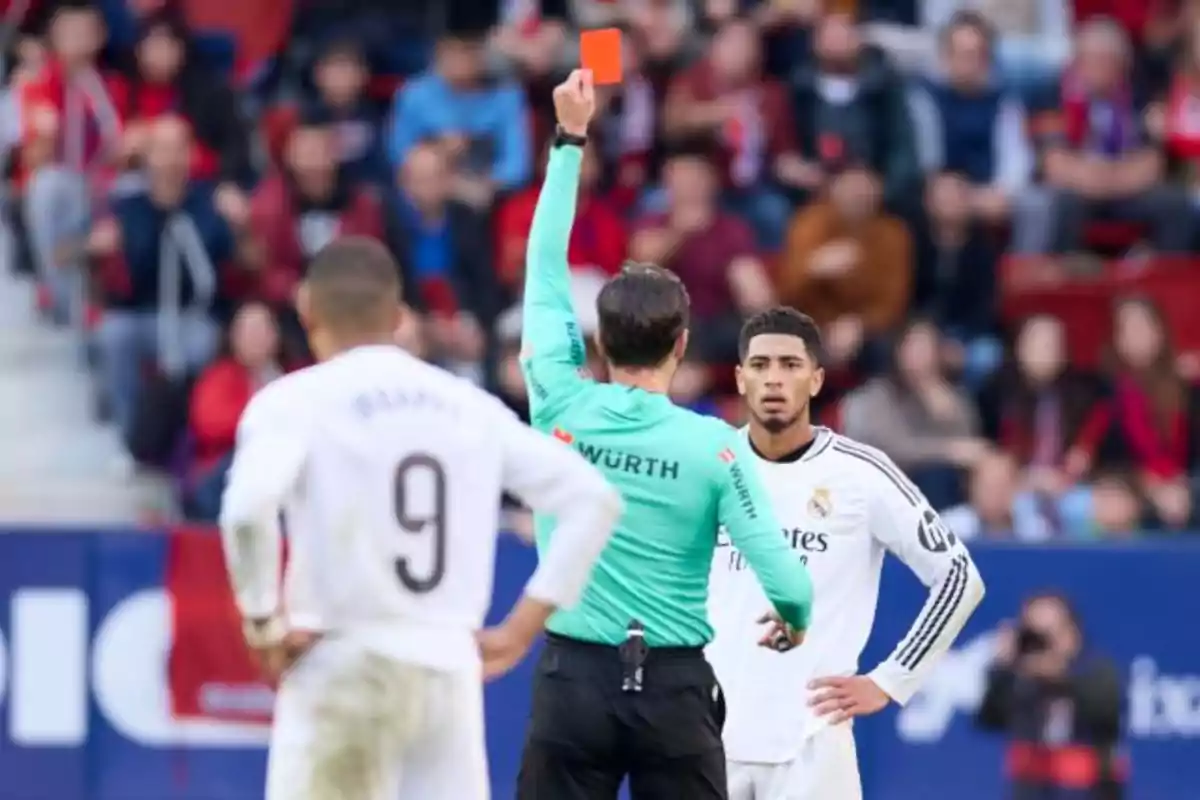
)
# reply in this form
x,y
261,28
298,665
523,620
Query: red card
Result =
x,y
600,51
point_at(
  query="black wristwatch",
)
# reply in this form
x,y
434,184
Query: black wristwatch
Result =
x,y
561,138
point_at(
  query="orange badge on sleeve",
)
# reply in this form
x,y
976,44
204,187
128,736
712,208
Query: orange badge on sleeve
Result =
x,y
600,52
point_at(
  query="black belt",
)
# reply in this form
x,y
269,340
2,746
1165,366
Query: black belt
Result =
x,y
633,655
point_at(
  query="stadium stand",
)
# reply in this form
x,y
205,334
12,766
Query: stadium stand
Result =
x,y
990,205
966,165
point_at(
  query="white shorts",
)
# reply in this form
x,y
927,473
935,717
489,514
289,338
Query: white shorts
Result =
x,y
352,723
826,769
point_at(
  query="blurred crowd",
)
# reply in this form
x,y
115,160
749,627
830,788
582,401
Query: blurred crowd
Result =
x,y
899,169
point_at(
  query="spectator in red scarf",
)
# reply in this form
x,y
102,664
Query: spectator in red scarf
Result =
x,y
166,78
598,239
1049,418
1176,121
727,104
299,210
1132,15
1099,162
1154,411
70,141
1044,412
218,399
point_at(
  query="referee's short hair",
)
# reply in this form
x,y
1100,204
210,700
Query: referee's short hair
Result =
x,y
786,321
643,311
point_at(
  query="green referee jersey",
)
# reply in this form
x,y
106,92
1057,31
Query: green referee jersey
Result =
x,y
683,476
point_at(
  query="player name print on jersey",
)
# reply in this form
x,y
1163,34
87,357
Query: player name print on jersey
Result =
x,y
388,399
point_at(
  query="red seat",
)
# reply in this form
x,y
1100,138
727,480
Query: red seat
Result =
x,y
382,88
1113,236
277,124
1084,304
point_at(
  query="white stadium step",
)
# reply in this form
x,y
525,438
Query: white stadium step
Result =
x,y
58,465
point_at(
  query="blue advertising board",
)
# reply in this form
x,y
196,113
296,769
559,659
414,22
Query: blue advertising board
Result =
x,y
85,631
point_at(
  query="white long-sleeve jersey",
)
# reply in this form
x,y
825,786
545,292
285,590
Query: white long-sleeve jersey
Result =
x,y
842,505
388,474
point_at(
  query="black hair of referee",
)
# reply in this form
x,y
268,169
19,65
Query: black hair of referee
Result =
x,y
779,373
643,314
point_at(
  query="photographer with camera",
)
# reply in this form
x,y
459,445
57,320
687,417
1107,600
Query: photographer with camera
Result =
x,y
1059,705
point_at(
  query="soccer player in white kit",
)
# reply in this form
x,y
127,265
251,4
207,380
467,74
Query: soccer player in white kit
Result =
x,y
788,734
389,474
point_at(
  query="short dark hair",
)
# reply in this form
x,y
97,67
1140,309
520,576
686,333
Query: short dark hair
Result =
x,y
968,19
643,311
354,284
344,47
786,321
77,7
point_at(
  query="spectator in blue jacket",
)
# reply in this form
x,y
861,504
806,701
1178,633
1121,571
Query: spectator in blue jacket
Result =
x,y
161,255
970,125
481,119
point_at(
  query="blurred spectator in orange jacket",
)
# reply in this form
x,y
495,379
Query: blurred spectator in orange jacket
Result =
x,y
220,395
848,264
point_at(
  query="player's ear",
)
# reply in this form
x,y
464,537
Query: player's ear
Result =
x,y
599,342
304,305
818,381
400,314
741,381
681,346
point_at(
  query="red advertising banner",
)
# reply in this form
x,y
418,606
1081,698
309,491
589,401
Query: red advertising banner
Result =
x,y
211,674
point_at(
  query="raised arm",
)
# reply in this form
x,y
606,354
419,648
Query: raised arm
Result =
x,y
552,347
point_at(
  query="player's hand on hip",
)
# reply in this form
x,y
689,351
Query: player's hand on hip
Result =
x,y
779,636
275,649
841,698
501,649
575,102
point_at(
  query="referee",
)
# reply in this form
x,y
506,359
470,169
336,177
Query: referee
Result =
x,y
622,688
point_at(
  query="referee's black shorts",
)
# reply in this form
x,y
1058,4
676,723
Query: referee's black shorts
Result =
x,y
586,735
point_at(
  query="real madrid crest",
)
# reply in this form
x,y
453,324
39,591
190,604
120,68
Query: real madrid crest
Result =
x,y
820,505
